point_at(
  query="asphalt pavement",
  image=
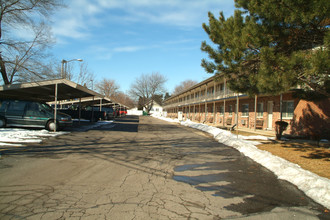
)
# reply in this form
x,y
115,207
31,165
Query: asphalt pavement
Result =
x,y
143,168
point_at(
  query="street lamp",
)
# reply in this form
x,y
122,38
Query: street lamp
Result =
x,y
64,62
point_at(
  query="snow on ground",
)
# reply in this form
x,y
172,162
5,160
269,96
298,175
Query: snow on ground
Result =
x,y
316,187
20,136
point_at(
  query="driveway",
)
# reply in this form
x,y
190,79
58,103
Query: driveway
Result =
x,y
143,168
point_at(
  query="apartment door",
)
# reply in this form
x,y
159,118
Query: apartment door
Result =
x,y
270,115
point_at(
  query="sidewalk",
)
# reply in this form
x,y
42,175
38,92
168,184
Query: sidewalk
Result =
x,y
267,133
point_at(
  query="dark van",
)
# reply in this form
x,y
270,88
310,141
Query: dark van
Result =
x,y
18,113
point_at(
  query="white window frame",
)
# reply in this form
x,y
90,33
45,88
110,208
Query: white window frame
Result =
x,y
285,113
260,110
221,108
245,114
230,110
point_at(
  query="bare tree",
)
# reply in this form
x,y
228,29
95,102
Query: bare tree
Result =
x,y
85,76
146,87
124,99
21,58
107,87
184,86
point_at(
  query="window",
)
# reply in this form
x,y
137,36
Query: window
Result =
x,y
16,108
245,110
217,87
196,95
287,109
221,110
3,106
210,109
260,110
210,91
230,110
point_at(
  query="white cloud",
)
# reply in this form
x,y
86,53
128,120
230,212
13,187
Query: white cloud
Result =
x,y
170,12
103,52
127,49
70,27
81,16
76,20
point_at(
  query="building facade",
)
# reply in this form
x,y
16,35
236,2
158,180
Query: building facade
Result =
x,y
213,103
156,109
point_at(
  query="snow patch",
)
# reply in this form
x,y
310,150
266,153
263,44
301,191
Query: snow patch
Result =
x,y
20,136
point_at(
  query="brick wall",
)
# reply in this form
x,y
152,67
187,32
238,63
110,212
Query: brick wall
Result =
x,y
312,119
309,119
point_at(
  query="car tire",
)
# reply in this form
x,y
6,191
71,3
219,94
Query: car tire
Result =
x,y
51,126
2,123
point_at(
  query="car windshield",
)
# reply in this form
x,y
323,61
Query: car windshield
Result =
x,y
47,107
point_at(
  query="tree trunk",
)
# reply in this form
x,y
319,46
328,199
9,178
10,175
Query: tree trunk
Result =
x,y
3,71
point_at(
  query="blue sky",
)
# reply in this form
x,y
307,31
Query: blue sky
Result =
x,y
123,39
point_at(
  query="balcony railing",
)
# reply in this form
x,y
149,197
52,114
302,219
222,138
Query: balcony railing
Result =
x,y
209,97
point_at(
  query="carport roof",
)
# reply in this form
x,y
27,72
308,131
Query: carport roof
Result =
x,y
85,101
45,91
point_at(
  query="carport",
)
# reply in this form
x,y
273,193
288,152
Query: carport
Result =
x,y
100,101
115,105
94,101
88,101
47,91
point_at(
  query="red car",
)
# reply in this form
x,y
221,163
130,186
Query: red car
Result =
x,y
122,112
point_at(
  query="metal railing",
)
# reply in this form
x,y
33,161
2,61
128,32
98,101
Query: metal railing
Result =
x,y
212,96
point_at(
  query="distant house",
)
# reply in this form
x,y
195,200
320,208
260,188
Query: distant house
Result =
x,y
156,109
134,111
212,102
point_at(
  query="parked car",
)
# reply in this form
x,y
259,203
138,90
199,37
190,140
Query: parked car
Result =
x,y
122,112
98,115
92,114
19,113
110,113
116,112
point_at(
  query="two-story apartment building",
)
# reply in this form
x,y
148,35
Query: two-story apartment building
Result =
x,y
211,102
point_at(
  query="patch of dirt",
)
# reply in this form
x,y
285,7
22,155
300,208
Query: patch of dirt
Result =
x,y
308,154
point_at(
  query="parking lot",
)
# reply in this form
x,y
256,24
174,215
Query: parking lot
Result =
x,y
142,168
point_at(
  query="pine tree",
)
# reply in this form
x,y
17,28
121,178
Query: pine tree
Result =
x,y
271,46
